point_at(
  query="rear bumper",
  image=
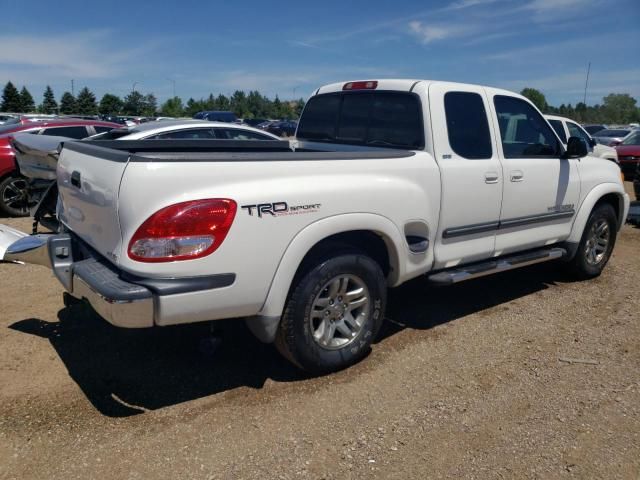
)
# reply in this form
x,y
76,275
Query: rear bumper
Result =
x,y
121,299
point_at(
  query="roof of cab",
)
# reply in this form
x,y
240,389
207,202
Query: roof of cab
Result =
x,y
409,85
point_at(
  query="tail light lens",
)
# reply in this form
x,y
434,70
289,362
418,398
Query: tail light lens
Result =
x,y
183,231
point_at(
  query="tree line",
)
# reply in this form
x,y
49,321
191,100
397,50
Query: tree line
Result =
x,y
616,108
251,105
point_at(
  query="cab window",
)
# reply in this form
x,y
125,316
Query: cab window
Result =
x,y
523,131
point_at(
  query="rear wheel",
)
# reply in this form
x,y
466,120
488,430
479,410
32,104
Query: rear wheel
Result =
x,y
333,314
597,242
14,196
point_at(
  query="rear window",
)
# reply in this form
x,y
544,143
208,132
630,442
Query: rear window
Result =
x,y
382,119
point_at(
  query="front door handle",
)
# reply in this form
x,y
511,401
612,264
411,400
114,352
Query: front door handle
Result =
x,y
491,177
516,175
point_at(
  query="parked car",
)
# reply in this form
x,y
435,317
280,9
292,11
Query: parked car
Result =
x,y
629,154
566,128
636,183
304,243
5,117
186,130
253,122
592,129
13,185
216,116
612,136
283,128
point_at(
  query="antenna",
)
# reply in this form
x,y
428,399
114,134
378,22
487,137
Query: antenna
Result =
x,y
586,84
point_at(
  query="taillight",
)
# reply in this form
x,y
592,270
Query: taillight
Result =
x,y
369,85
183,231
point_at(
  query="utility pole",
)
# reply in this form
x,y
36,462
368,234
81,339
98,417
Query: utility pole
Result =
x,y
72,89
586,83
174,86
133,87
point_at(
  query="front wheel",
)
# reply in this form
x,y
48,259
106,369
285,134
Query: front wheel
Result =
x,y
597,242
333,314
14,196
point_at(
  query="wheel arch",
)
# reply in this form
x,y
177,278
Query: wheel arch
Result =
x,y
611,193
374,234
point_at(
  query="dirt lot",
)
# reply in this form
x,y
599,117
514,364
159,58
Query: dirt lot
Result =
x,y
465,382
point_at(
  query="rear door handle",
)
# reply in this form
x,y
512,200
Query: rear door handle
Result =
x,y
516,175
491,177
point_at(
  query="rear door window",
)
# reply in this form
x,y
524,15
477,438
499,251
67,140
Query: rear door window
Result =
x,y
239,134
188,134
71,132
467,125
376,118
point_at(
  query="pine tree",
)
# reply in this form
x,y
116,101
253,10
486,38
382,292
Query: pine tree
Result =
x,y
11,101
67,104
27,105
49,104
150,105
133,103
86,102
110,104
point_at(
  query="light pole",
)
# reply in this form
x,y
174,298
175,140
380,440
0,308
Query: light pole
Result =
x,y
174,86
133,88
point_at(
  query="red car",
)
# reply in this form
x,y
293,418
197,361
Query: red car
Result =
x,y
629,154
13,186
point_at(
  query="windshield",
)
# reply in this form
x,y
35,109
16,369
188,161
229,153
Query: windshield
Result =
x,y
633,139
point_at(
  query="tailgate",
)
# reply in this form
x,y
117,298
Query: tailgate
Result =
x,y
37,155
88,182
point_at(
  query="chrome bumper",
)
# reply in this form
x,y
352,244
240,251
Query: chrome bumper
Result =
x,y
121,303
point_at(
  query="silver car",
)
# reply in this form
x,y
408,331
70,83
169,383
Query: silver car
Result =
x,y
611,136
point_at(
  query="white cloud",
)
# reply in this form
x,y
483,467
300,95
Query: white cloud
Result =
x,y
89,55
429,33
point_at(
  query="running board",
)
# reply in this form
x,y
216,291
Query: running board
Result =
x,y
460,274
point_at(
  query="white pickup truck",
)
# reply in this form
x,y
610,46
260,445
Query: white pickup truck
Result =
x,y
386,181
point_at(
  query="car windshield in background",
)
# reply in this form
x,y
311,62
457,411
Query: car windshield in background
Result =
x,y
113,134
633,139
613,133
381,119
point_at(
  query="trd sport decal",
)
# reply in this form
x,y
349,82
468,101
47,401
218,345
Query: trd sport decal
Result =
x,y
278,209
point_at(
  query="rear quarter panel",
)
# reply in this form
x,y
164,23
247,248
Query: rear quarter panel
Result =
x,y
398,190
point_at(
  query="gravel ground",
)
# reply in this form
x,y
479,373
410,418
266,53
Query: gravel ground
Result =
x,y
465,382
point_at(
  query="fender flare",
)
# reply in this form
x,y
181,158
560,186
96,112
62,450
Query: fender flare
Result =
x,y
314,233
589,202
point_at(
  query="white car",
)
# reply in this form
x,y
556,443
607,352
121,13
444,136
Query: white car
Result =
x,y
389,180
186,130
565,128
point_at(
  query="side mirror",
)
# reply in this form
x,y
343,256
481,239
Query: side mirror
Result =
x,y
592,142
576,148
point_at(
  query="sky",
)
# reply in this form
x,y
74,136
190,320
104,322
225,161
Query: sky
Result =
x,y
291,48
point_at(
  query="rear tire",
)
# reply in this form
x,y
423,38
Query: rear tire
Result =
x,y
596,244
14,198
333,314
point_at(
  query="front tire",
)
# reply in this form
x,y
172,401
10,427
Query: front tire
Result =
x,y
597,242
333,314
